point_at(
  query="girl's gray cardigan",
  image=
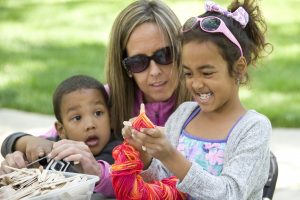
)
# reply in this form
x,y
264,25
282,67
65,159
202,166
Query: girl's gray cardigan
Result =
x,y
246,160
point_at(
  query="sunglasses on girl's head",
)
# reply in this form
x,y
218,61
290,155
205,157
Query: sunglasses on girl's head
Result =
x,y
211,24
141,62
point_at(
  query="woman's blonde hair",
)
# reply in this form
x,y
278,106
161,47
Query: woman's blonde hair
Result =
x,y
122,87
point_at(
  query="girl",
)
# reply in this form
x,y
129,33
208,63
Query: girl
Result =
x,y
215,146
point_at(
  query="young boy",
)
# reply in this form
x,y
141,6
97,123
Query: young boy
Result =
x,y
83,122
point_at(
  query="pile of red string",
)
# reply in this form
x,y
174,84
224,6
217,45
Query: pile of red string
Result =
x,y
127,181
129,184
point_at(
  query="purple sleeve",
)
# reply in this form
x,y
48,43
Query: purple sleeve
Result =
x,y
104,186
52,133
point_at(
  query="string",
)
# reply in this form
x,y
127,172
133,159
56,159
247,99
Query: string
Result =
x,y
128,183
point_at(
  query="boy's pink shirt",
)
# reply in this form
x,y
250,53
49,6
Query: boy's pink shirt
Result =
x,y
104,186
51,133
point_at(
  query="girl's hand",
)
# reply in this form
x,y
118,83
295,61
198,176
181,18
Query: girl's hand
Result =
x,y
78,152
15,159
155,142
158,146
129,135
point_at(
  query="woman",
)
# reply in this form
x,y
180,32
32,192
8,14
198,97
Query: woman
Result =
x,y
142,67
143,56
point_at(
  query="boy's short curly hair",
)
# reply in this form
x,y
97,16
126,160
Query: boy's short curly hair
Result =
x,y
72,84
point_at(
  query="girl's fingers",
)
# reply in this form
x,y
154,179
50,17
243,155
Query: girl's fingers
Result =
x,y
156,132
161,129
138,137
127,123
126,132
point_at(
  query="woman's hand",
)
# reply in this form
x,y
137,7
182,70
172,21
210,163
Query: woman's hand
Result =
x,y
15,159
78,152
34,147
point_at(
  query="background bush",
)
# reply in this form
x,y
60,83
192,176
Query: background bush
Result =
x,y
44,42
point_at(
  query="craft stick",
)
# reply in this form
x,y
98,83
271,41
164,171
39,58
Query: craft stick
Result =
x,y
142,109
28,183
20,170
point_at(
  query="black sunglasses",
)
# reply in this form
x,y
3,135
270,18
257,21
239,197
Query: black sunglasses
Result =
x,y
141,62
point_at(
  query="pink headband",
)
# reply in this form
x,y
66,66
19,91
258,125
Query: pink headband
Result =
x,y
240,15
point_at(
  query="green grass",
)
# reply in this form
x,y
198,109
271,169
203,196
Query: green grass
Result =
x,y
44,42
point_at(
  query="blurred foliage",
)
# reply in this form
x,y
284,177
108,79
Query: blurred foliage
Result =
x,y
44,42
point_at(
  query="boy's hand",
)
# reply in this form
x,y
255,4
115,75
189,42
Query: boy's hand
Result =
x,y
34,147
79,153
15,159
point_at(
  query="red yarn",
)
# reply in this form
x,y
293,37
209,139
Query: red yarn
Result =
x,y
129,184
127,181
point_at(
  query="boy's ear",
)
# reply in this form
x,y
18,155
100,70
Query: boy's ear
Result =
x,y
241,67
60,130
